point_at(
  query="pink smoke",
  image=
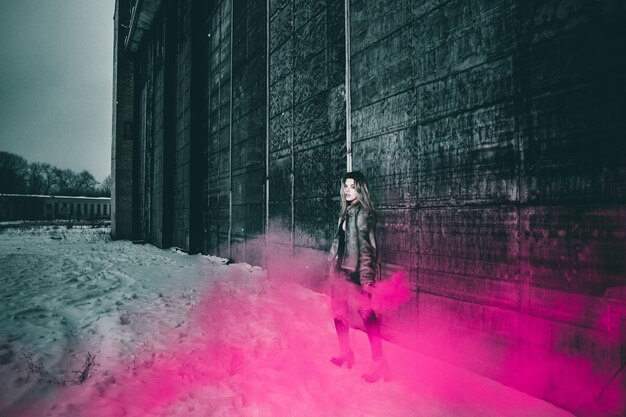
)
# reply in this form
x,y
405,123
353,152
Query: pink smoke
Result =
x,y
390,294
258,344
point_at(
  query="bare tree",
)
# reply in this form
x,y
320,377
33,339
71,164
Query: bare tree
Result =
x,y
40,178
17,176
13,171
84,183
62,183
105,186
67,182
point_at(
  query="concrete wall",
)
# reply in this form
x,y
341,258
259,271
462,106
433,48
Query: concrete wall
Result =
x,y
248,127
182,163
493,141
157,78
123,133
492,133
307,136
218,221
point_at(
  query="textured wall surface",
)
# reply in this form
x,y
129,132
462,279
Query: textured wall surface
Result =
x,y
218,222
157,73
307,121
492,133
146,142
248,128
182,164
155,122
493,139
123,135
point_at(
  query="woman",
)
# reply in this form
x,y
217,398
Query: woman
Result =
x,y
353,267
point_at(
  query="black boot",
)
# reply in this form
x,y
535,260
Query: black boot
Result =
x,y
380,368
346,355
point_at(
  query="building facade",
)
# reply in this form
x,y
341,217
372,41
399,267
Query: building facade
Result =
x,y
492,133
50,207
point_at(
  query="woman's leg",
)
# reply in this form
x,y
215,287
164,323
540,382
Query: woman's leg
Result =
x,y
372,327
342,334
380,368
339,307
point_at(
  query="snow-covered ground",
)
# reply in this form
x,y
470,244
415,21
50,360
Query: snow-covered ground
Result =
x,y
171,334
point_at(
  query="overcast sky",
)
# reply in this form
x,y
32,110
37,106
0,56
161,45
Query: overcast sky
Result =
x,y
56,77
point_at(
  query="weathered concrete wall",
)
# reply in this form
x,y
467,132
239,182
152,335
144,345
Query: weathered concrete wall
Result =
x,y
236,130
165,150
155,122
217,220
182,181
493,141
248,129
572,189
492,133
307,121
145,151
157,73
123,132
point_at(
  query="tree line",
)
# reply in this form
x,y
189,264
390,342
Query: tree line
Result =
x,y
18,176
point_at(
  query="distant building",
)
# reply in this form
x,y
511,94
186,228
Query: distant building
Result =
x,y
493,135
47,207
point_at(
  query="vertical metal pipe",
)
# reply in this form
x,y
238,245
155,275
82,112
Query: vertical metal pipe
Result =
x,y
347,88
293,158
267,125
230,140
218,222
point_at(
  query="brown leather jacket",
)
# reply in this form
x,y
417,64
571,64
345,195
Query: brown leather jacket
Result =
x,y
360,253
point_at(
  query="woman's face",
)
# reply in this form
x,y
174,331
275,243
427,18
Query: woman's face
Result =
x,y
349,190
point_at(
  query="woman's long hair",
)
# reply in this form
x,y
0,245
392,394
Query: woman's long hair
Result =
x,y
360,184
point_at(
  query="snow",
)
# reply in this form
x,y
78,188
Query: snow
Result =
x,y
189,335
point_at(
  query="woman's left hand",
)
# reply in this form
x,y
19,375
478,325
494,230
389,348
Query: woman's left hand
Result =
x,y
368,287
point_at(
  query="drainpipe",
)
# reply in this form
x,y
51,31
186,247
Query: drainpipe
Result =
x,y
347,89
293,157
267,126
230,140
